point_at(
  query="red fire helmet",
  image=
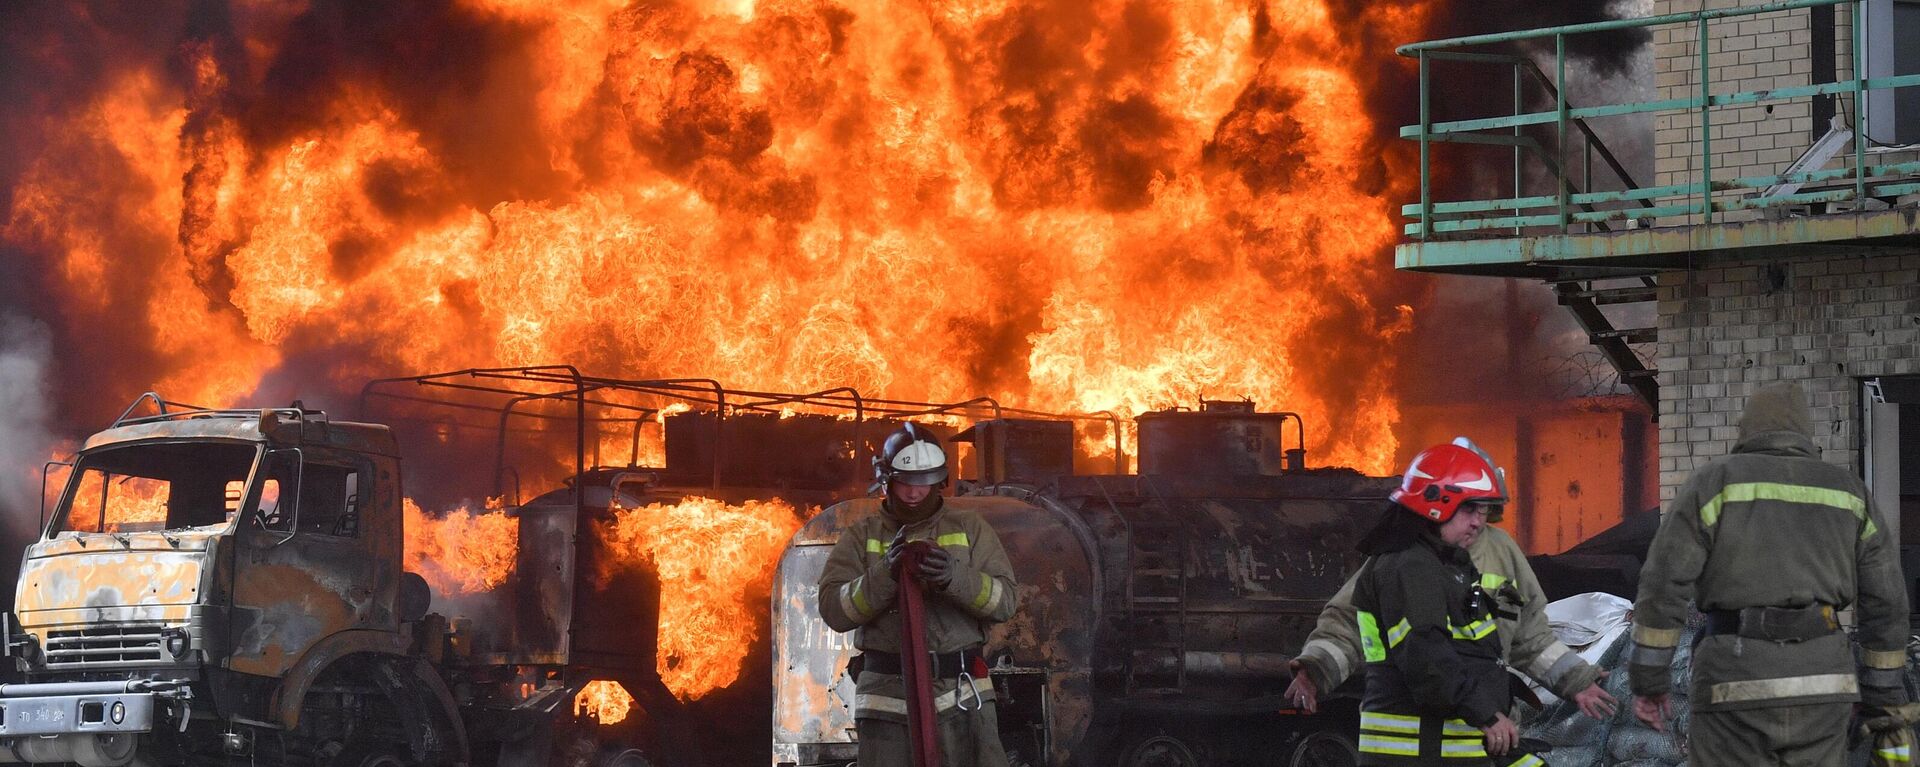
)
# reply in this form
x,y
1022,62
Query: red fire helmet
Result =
x,y
1444,478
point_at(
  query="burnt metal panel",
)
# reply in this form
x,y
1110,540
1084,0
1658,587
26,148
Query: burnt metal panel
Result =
x,y
1213,443
1020,450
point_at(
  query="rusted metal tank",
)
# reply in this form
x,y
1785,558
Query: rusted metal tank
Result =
x,y
1157,616
1221,439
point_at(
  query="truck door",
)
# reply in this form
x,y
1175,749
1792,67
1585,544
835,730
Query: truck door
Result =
x,y
307,565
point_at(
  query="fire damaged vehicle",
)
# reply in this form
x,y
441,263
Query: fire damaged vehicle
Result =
x,y
1157,611
231,586
226,586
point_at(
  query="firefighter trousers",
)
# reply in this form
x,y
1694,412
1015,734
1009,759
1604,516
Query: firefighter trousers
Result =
x,y
967,739
1811,735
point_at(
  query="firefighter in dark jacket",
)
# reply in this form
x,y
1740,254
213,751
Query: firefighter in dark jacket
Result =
x,y
1437,692
970,587
1770,542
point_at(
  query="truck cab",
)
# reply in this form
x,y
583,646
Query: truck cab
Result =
x,y
203,574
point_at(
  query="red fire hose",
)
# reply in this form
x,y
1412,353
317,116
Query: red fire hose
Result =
x,y
922,728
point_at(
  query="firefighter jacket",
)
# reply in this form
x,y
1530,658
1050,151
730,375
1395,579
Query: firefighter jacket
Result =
x,y
1434,676
1332,652
857,594
1772,526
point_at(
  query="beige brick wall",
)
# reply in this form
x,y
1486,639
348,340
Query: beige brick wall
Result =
x,y
1725,330
1752,53
1749,53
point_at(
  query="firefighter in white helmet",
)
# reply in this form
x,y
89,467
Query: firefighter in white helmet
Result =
x,y
969,584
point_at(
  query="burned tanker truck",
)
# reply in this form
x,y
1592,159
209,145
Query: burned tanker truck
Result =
x,y
231,586
1157,612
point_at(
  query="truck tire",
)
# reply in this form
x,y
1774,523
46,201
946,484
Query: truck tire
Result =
x,y
368,755
630,757
104,749
1161,751
1325,748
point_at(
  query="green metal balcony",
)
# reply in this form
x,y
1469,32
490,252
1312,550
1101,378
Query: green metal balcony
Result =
x,y
1571,231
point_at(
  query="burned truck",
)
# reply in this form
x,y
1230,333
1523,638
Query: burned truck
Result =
x,y
226,586
1157,611
226,582
229,586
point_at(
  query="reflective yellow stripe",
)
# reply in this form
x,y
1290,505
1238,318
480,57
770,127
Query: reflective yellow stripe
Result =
x,y
1886,658
1655,638
853,595
1383,722
1528,761
1463,749
876,546
1473,631
989,596
1457,728
1398,633
953,539
1895,755
1370,637
1785,687
1384,744
1492,582
870,702
1748,492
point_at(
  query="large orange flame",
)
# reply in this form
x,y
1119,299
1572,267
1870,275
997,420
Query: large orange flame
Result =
x,y
125,504
462,551
1100,206
607,702
715,566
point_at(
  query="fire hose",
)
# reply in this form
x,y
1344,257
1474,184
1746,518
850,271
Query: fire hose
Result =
x,y
916,673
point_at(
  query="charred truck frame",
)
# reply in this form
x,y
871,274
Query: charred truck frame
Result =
x,y
252,603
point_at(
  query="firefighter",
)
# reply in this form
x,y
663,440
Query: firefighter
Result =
x,y
970,587
1437,692
1332,652
1769,542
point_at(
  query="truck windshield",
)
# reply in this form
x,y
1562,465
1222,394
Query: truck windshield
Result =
x,y
168,486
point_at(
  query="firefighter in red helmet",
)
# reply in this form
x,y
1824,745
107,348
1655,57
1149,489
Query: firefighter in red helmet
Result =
x,y
968,584
1436,691
1332,653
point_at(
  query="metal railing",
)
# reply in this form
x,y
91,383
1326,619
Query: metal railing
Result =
x,y
583,400
1569,205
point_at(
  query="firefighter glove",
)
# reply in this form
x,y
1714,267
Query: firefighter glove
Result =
x,y
936,568
1892,732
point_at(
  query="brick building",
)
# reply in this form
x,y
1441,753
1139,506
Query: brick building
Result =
x,y
1778,237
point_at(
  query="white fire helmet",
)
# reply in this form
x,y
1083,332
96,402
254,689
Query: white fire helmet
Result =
x,y
911,456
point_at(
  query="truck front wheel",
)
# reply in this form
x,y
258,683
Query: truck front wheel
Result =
x,y
369,756
630,757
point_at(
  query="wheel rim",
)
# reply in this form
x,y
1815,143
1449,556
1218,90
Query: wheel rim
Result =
x,y
628,758
1324,749
1162,751
382,760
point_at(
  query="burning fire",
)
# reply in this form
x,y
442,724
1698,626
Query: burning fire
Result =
x,y
126,503
607,702
462,551
1074,207
621,446
714,562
